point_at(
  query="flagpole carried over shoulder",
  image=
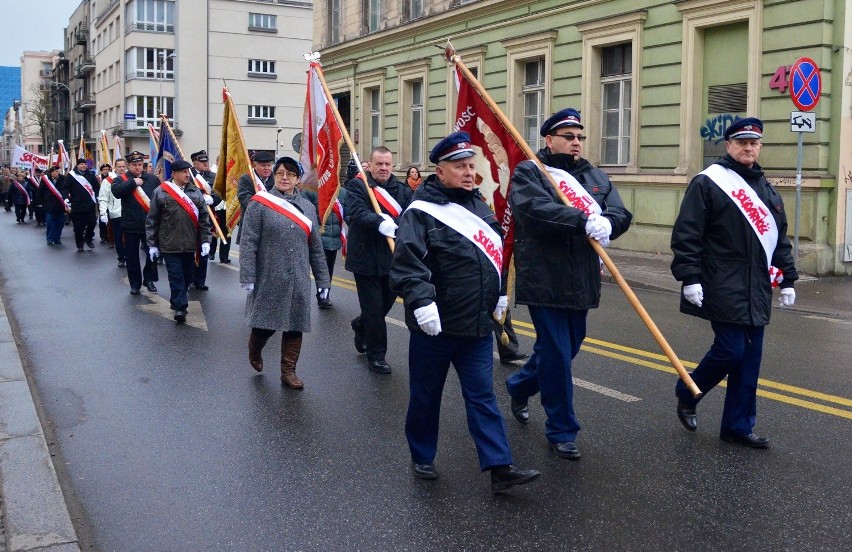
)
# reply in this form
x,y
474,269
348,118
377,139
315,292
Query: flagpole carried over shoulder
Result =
x,y
318,68
453,57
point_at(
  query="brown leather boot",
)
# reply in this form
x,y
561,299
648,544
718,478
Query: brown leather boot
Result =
x,y
290,349
255,347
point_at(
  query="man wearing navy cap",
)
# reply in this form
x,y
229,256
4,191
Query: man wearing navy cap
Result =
x,y
261,162
201,169
557,269
178,227
730,249
83,188
201,163
447,266
369,256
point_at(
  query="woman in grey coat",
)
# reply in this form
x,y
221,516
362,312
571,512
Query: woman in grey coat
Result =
x,y
280,244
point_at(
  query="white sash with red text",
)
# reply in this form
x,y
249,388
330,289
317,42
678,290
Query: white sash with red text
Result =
x,y
753,209
577,196
183,200
138,193
22,190
468,225
387,201
86,186
52,188
285,208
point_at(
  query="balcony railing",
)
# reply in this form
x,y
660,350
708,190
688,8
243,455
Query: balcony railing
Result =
x,y
104,12
84,103
133,130
46,73
81,37
150,27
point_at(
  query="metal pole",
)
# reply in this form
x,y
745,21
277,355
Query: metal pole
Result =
x,y
798,200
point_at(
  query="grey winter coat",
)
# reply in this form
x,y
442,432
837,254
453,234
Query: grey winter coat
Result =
x,y
277,256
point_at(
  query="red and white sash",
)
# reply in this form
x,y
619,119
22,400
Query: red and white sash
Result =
x,y
86,186
138,193
468,225
52,188
183,200
200,182
285,208
753,209
34,181
577,196
387,201
337,209
22,190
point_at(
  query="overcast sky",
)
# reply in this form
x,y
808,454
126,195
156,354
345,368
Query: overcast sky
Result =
x,y
31,25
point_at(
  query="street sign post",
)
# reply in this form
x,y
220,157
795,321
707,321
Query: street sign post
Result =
x,y
805,90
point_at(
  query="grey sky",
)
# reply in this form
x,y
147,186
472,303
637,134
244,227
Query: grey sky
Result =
x,y
32,25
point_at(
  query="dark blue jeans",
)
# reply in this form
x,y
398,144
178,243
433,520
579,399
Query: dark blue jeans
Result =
x,y
559,334
429,361
736,352
181,269
54,223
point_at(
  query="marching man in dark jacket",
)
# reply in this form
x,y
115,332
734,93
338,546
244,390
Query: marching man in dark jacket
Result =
x,y
730,249
54,197
178,228
134,189
83,189
369,256
447,265
558,271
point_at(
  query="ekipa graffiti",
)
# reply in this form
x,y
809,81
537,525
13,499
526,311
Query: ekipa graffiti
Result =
x,y
713,129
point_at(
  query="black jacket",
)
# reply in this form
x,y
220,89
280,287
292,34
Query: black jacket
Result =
x,y
51,203
433,262
246,189
367,249
714,245
132,214
555,265
81,201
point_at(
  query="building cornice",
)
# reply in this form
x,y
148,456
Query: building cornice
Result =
x,y
605,24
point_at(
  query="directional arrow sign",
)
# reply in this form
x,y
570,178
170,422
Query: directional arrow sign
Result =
x,y
160,306
801,121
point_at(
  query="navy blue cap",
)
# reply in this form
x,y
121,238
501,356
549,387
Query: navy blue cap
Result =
x,y
181,165
263,157
135,157
750,127
81,161
199,156
568,117
455,146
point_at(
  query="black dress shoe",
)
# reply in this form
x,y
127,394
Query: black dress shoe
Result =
x,y
324,303
521,411
424,471
504,477
122,264
79,250
201,287
687,416
751,440
180,316
516,356
134,291
379,366
225,261
90,244
566,449
190,287
360,340
151,287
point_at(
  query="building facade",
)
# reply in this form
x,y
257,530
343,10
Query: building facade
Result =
x,y
35,110
657,84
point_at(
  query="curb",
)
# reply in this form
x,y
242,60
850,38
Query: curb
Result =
x,y
34,512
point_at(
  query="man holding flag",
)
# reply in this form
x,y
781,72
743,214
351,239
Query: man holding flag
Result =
x,y
558,271
83,191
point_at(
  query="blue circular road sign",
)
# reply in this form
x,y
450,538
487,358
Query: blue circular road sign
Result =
x,y
805,84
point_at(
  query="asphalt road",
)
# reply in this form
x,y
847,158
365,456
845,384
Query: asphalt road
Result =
x,y
166,439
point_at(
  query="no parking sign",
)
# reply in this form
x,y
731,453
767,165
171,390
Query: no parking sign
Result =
x,y
805,84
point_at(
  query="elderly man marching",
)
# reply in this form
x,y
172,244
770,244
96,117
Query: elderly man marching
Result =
x,y
447,266
178,228
730,249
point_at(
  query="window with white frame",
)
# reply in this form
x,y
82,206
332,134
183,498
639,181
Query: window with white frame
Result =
x,y
374,14
415,129
261,113
616,89
262,22
149,108
150,63
335,20
375,103
152,15
261,67
533,98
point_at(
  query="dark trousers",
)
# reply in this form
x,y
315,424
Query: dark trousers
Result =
x,y
118,236
736,352
512,347
376,299
180,267
214,241
84,226
429,361
330,260
200,274
38,211
103,233
559,334
21,212
135,273
54,222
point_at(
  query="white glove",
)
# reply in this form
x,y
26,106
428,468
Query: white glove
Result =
x,y
788,297
694,293
205,249
67,204
208,199
428,319
138,181
599,228
153,252
502,305
388,226
112,174
322,293
248,286
104,219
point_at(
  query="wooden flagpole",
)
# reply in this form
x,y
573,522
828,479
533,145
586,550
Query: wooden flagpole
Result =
x,y
350,145
622,283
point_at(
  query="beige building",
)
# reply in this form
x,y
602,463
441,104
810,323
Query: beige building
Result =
x,y
37,71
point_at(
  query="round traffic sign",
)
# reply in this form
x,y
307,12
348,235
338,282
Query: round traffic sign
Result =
x,y
805,84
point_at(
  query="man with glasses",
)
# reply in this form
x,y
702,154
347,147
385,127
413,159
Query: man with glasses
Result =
x,y
558,271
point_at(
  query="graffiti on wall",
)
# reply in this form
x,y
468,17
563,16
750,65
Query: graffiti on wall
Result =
x,y
713,129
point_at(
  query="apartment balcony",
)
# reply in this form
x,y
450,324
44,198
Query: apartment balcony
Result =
x,y
84,103
46,73
133,130
81,37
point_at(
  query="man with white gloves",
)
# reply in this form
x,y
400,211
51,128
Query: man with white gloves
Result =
x,y
178,228
557,270
447,266
730,249
369,254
